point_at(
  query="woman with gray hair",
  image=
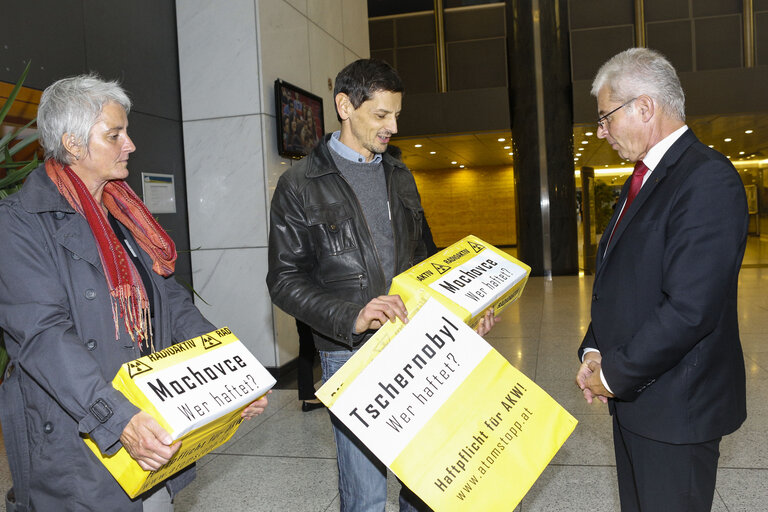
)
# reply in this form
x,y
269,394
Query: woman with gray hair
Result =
x,y
86,285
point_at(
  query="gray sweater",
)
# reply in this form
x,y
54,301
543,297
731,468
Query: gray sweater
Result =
x,y
369,185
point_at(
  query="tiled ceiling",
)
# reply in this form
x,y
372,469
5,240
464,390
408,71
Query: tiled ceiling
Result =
x,y
486,149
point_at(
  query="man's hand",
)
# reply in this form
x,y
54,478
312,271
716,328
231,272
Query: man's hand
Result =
x,y
487,322
378,311
147,442
255,408
588,379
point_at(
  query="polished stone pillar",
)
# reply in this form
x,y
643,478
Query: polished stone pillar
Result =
x,y
230,54
541,110
590,236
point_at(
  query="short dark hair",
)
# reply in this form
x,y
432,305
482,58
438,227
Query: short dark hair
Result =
x,y
364,77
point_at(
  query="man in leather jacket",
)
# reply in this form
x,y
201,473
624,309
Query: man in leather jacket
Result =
x,y
344,221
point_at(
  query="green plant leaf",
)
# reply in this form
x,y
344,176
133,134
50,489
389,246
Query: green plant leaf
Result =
x,y
190,288
7,106
10,136
24,143
16,172
17,175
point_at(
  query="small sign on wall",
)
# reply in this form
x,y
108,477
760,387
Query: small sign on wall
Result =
x,y
159,192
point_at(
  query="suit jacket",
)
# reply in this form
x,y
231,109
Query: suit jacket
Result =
x,y
664,300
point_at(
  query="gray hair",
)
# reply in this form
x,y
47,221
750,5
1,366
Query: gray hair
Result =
x,y
73,105
639,71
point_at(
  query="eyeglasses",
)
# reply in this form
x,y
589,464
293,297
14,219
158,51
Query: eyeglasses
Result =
x,y
604,119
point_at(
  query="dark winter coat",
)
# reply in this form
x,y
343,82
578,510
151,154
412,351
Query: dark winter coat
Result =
x,y
60,334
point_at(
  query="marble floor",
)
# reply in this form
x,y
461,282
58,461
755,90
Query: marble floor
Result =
x,y
285,459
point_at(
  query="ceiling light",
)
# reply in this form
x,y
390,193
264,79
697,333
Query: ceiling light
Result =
x,y
727,139
417,145
454,162
585,142
461,166
747,131
578,154
741,152
432,152
510,153
576,159
588,134
502,139
711,146
507,147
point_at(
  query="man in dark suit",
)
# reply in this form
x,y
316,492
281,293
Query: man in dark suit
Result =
x,y
663,346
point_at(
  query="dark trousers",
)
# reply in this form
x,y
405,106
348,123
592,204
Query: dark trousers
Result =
x,y
306,361
661,477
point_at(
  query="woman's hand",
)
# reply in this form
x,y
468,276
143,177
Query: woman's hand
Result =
x,y
255,408
147,442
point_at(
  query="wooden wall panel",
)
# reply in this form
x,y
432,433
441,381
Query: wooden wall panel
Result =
x,y
460,202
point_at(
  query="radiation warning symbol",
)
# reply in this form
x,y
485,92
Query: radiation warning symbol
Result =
x,y
137,368
441,269
210,342
476,247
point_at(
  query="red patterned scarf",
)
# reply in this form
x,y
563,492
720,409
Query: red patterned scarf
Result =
x,y
129,298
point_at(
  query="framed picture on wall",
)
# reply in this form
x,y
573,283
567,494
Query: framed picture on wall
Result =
x,y
299,116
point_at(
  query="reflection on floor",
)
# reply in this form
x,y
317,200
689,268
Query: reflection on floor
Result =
x,y
285,459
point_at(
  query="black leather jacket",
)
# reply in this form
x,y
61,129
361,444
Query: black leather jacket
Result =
x,y
323,265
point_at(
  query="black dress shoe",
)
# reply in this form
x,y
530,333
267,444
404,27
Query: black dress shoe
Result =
x,y
311,406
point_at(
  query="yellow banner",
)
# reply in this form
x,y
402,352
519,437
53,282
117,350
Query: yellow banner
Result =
x,y
509,430
446,412
196,391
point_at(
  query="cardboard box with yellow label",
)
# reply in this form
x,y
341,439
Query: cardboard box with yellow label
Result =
x,y
195,390
468,278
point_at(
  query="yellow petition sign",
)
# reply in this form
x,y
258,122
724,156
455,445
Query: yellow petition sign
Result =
x,y
468,278
446,412
195,390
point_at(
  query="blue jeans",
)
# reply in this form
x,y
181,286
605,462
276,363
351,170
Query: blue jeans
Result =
x,y
362,477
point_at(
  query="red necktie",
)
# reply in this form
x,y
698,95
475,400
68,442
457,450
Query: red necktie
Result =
x,y
634,188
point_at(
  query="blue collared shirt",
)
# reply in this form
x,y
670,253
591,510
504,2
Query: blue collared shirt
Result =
x,y
348,153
